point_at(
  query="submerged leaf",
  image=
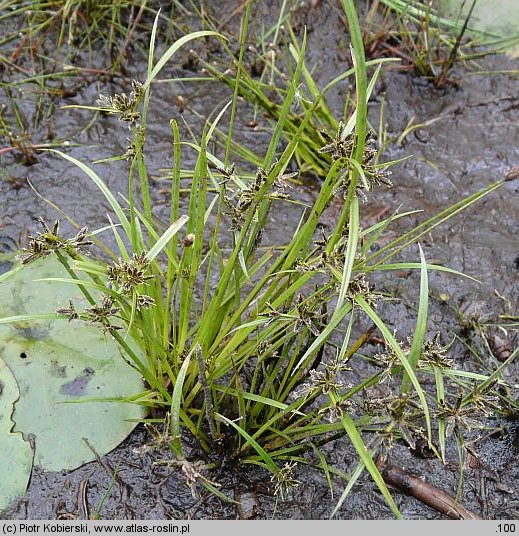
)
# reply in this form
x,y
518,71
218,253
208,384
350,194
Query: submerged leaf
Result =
x,y
55,363
15,453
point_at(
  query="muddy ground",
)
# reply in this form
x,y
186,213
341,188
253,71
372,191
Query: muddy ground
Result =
x,y
474,141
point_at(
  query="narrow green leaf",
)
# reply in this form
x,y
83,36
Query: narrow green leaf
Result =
x,y
416,265
216,121
440,400
257,398
253,443
171,51
285,109
325,334
390,339
325,467
412,236
14,319
351,250
102,186
368,462
123,252
166,237
347,490
421,323
176,401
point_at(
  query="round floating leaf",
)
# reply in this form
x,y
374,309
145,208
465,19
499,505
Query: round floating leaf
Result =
x,y
15,453
488,15
56,363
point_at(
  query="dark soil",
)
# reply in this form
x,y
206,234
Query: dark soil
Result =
x,y
472,142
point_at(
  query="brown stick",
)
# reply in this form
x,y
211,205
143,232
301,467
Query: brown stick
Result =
x,y
426,493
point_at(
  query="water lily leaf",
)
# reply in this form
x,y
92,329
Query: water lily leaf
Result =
x,y
497,18
15,453
56,362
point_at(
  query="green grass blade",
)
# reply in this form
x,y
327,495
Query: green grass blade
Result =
x,y
269,462
214,124
351,250
176,401
390,339
243,43
171,51
285,109
102,186
421,324
347,490
425,227
257,398
325,467
172,230
123,252
368,462
215,491
325,334
417,265
28,318
440,400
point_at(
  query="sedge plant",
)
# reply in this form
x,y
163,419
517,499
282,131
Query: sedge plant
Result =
x,y
248,346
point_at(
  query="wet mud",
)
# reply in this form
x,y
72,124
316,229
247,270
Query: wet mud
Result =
x,y
469,139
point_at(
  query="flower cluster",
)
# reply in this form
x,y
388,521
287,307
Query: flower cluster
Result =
x,y
244,199
462,413
126,276
434,354
403,412
342,145
325,381
46,243
284,481
338,146
122,105
123,278
359,285
102,314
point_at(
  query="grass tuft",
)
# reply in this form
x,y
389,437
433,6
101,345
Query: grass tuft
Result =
x,y
248,345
